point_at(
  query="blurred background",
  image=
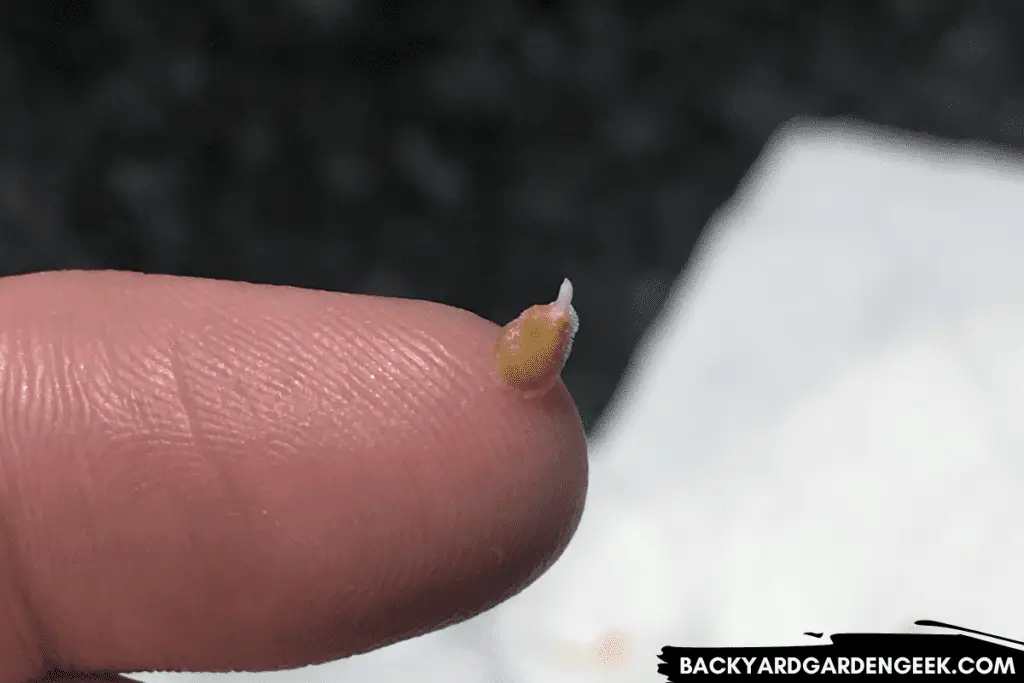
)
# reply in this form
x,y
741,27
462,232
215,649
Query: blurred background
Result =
x,y
468,152
475,153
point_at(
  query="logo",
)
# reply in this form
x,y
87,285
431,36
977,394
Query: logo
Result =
x,y
964,653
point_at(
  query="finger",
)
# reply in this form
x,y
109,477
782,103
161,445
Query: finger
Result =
x,y
206,475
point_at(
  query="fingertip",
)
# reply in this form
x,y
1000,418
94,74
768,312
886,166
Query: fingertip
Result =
x,y
332,472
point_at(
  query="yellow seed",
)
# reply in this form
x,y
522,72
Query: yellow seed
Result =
x,y
532,349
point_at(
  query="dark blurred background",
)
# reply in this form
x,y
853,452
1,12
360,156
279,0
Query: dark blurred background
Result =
x,y
468,152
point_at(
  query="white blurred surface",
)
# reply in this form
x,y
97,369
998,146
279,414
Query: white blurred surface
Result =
x,y
824,433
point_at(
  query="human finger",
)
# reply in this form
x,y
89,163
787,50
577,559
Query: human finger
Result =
x,y
204,475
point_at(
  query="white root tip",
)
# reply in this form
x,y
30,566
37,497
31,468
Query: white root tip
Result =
x,y
563,304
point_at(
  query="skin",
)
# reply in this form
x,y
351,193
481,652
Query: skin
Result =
x,y
205,475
